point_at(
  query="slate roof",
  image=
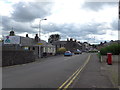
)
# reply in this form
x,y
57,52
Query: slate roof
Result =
x,y
59,42
26,41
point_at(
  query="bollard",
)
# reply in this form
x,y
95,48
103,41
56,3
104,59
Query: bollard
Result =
x,y
109,58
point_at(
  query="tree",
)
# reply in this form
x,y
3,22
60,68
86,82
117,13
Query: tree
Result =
x,y
54,37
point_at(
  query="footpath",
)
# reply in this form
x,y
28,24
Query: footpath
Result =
x,y
112,70
95,75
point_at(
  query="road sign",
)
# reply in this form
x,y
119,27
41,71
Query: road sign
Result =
x,y
12,40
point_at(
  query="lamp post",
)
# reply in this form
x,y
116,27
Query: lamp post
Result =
x,y
40,28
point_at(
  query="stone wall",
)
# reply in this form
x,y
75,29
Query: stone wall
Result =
x,y
15,57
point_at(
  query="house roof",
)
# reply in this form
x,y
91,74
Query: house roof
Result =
x,y
59,42
26,41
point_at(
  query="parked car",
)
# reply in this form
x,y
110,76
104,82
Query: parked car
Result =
x,y
68,53
78,52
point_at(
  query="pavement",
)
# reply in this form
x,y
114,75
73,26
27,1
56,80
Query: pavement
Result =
x,y
112,70
93,76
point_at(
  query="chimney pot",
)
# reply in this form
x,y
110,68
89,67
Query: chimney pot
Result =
x,y
36,38
26,35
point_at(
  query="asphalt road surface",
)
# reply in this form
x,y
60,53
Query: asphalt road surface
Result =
x,y
52,72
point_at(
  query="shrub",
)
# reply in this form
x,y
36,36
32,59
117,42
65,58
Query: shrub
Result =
x,y
113,48
61,50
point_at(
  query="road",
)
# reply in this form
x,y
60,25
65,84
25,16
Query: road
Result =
x,y
51,72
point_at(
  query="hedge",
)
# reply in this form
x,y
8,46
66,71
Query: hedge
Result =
x,y
113,48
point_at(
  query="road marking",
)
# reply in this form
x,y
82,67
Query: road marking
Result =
x,y
70,80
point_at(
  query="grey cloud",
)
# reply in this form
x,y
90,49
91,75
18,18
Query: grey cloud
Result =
x,y
72,31
97,5
69,30
26,12
8,23
115,25
76,31
23,14
20,28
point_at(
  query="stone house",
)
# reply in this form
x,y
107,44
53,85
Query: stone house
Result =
x,y
85,46
59,44
70,45
73,45
32,44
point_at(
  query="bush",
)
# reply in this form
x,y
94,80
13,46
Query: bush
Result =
x,y
61,50
114,49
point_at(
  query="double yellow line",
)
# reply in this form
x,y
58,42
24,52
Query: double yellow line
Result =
x,y
70,80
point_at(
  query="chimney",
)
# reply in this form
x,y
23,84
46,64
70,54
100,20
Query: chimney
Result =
x,y
71,39
36,38
75,40
26,35
67,39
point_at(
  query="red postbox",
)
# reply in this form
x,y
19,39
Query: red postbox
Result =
x,y
109,58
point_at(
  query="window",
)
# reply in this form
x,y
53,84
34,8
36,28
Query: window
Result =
x,y
33,48
60,45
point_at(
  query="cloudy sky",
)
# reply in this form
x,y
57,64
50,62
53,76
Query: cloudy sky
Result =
x,y
79,19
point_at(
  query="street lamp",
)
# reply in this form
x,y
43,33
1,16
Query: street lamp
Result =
x,y
40,28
